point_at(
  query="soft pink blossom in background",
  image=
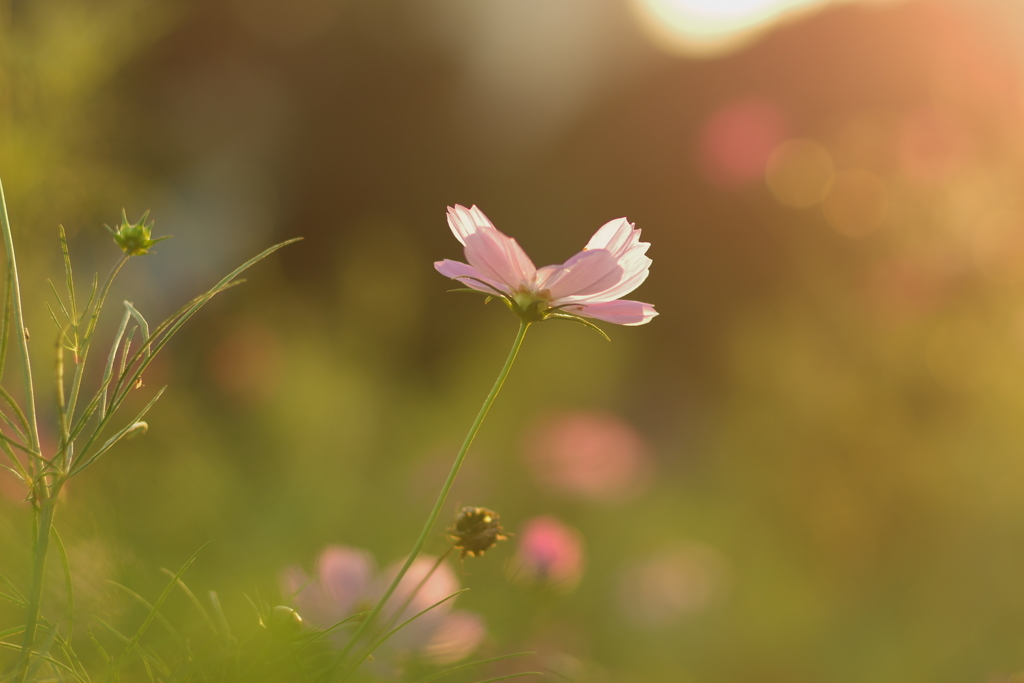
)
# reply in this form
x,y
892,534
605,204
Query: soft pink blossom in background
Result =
x,y
346,583
589,284
682,580
592,455
550,553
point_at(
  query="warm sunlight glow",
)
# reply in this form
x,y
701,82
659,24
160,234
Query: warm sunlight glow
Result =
x,y
715,27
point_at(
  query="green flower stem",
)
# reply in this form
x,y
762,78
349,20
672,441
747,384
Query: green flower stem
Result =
x,y
40,544
435,513
14,286
42,496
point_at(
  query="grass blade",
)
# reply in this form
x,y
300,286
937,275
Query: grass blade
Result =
x,y
470,665
156,608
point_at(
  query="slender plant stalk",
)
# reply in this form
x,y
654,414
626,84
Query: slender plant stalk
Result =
x,y
19,323
42,528
47,476
41,494
524,325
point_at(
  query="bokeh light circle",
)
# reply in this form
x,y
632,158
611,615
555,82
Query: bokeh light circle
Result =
x,y
799,173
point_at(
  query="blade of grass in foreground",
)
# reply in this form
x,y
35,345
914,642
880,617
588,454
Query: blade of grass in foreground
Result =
x,y
522,674
365,654
133,643
470,665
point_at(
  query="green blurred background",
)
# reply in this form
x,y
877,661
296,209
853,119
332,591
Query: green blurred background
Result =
x,y
825,426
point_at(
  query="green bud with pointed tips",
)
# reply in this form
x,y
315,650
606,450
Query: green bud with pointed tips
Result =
x,y
135,239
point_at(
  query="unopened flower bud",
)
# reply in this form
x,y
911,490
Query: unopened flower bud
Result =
x,y
135,238
475,531
284,622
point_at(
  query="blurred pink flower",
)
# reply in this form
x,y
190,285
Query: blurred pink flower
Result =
x,y
678,581
593,455
550,553
589,284
345,584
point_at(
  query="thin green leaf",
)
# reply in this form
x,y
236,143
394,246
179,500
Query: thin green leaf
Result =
x,y
508,676
143,325
82,463
159,617
13,631
74,665
67,582
14,283
125,350
156,607
145,655
109,369
9,400
581,321
318,636
58,381
60,302
70,280
103,652
488,285
92,296
165,331
470,665
384,638
16,465
41,655
10,584
5,331
40,658
194,600
218,609
163,334
53,316
20,447
20,476
85,344
468,290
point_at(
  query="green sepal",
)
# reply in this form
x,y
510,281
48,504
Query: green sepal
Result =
x,y
581,321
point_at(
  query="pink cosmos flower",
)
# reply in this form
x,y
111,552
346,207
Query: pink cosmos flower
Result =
x,y
589,284
550,554
346,583
589,454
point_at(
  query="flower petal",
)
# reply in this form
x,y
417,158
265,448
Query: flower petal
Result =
x,y
345,574
500,258
464,222
617,236
496,255
588,273
420,588
455,639
621,312
635,268
470,276
308,596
